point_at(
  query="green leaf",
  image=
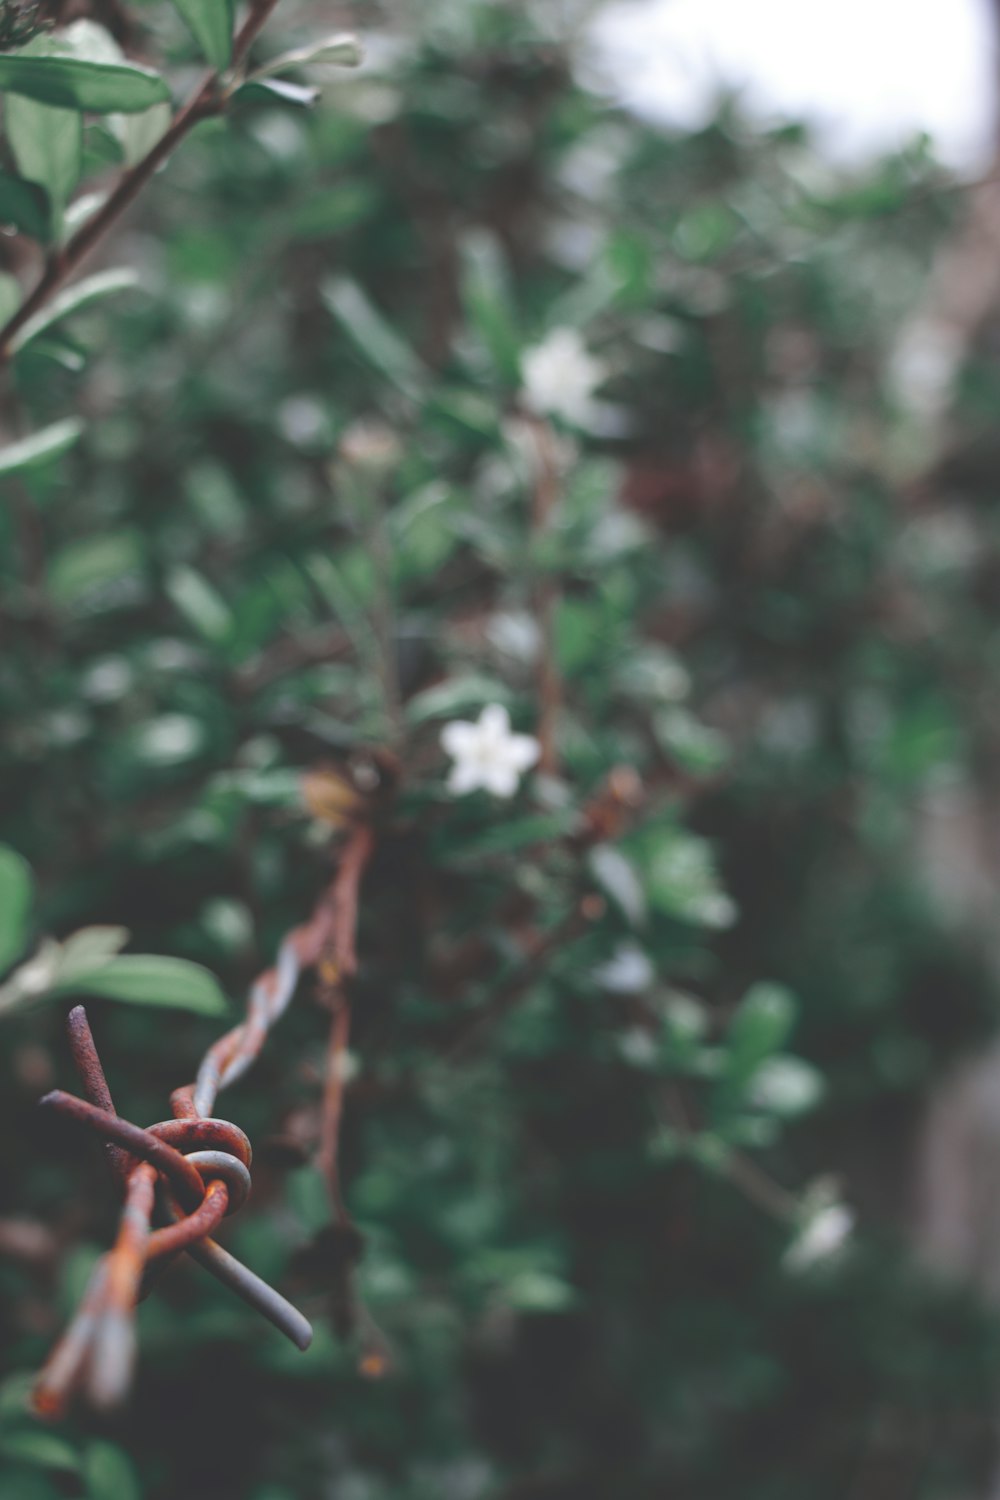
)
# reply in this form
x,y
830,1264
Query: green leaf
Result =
x,y
343,51
681,879
487,296
41,447
277,91
77,83
90,948
43,1450
10,297
110,1473
384,350
74,299
88,566
538,1291
457,695
200,603
694,746
47,145
518,833
139,133
211,25
760,1027
146,979
786,1086
618,878
24,205
15,904
79,211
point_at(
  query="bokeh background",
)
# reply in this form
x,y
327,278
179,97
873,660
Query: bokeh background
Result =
x,y
579,1155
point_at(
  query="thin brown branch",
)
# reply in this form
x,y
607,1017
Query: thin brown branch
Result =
x,y
341,967
208,99
544,499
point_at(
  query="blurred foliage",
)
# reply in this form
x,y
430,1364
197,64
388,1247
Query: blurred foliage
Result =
x,y
297,521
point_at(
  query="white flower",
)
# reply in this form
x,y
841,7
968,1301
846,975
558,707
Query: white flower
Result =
x,y
487,754
560,376
820,1237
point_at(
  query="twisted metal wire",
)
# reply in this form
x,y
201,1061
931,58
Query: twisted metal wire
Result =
x,y
185,1175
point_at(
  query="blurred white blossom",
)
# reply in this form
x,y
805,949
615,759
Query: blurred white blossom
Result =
x,y
560,376
487,753
820,1237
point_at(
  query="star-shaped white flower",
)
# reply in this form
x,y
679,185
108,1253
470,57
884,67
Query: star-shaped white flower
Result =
x,y
487,753
560,376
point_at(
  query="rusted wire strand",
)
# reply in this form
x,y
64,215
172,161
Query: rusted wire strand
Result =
x,y
185,1174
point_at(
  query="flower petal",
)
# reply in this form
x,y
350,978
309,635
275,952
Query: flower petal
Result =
x,y
494,723
459,738
521,751
465,777
499,779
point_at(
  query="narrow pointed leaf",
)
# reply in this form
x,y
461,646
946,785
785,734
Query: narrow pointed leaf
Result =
x,y
40,448
76,297
375,338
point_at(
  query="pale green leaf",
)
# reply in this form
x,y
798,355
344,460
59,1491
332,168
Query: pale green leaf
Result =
x,y
79,211
375,338
618,878
47,146
139,133
40,448
146,979
342,51
74,298
199,603
90,565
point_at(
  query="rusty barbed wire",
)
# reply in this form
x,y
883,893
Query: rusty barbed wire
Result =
x,y
182,1175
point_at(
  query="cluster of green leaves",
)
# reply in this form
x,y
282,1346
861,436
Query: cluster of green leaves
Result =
x,y
299,522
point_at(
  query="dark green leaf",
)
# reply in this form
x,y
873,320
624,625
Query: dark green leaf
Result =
x,y
15,904
211,25
24,205
78,83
